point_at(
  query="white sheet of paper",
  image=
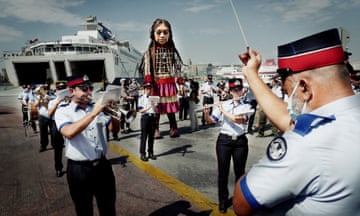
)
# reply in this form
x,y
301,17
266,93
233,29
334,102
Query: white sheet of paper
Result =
x,y
245,112
61,94
105,96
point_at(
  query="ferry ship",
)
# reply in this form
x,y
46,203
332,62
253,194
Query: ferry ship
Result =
x,y
93,51
228,72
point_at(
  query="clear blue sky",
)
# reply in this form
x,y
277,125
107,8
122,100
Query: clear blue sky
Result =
x,y
204,30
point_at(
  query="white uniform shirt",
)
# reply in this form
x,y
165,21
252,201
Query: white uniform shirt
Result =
x,y
43,111
228,127
28,96
209,88
91,143
312,170
145,102
52,104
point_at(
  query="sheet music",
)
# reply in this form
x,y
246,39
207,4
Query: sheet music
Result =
x,y
61,94
112,93
245,112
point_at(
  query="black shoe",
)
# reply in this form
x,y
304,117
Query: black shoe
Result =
x,y
144,158
58,173
222,208
42,149
152,156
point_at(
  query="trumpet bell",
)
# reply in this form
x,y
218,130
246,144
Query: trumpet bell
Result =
x,y
129,115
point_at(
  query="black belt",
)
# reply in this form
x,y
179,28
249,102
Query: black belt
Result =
x,y
92,163
234,137
149,114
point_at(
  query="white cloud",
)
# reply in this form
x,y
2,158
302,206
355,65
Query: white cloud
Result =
x,y
130,26
45,11
8,33
198,8
209,31
293,11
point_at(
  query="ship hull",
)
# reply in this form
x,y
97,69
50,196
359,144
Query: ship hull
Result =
x,y
98,67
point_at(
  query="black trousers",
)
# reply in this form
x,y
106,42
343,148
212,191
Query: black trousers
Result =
x,y
57,141
44,127
87,180
184,107
227,148
147,124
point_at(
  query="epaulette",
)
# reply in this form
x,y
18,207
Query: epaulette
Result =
x,y
306,122
64,105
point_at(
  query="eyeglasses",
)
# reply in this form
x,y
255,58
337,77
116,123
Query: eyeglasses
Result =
x,y
284,73
236,89
165,32
86,88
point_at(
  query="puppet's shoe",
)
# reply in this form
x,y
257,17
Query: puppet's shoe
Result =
x,y
157,134
174,133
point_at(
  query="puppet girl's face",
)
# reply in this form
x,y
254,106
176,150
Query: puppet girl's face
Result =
x,y
162,34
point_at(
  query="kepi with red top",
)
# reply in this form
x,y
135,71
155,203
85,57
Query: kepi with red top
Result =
x,y
74,81
235,84
318,50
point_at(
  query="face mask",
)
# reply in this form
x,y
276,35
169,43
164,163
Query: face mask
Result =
x,y
295,104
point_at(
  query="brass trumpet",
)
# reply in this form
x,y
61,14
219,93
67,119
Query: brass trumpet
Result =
x,y
113,109
129,115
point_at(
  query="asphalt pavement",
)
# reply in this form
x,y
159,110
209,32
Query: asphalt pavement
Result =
x,y
182,181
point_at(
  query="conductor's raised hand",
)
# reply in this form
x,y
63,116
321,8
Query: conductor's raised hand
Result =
x,y
251,60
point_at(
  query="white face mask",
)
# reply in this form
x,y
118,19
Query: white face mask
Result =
x,y
295,105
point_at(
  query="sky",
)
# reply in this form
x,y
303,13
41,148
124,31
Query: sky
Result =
x,y
205,31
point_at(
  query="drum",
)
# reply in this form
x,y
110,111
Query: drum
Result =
x,y
34,112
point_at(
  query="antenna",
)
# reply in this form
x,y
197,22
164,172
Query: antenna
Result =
x,y
238,21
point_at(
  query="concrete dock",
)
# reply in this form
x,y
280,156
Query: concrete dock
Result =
x,y
182,181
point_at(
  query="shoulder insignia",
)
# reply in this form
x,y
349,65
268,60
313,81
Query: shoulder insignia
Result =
x,y
306,122
64,105
277,149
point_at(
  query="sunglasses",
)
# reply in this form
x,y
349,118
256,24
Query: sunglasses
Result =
x,y
284,73
236,89
165,32
86,88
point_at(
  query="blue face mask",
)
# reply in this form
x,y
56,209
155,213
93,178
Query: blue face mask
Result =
x,y
293,112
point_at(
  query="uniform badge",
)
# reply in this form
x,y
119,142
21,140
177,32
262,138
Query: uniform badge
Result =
x,y
277,149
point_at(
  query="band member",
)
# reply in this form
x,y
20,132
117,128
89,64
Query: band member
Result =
x,y
42,103
232,141
306,170
208,90
147,108
57,140
27,100
89,172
